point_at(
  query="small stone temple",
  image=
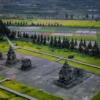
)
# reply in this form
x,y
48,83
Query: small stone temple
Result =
x,y
1,56
69,75
26,64
66,74
11,56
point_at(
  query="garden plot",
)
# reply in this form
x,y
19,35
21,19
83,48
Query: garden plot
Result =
x,y
45,73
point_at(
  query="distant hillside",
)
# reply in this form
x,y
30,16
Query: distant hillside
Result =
x,y
51,7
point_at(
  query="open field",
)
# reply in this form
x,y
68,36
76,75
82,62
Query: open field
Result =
x,y
96,97
68,23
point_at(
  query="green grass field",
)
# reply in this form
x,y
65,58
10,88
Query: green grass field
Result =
x,y
98,39
1,78
69,23
40,95
96,97
4,45
4,95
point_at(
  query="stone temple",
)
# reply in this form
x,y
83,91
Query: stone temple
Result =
x,y
11,56
66,74
26,64
69,76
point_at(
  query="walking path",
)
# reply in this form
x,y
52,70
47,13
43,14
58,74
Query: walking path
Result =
x,y
59,59
4,80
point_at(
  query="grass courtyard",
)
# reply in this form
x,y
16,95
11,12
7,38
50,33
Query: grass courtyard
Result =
x,y
4,95
68,23
38,94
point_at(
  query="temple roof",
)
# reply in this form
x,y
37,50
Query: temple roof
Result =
x,y
66,69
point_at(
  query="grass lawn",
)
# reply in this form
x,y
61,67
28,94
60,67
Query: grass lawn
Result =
x,y
40,95
69,23
4,45
59,52
1,78
96,97
98,39
4,95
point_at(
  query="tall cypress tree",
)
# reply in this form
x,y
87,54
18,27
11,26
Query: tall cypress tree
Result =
x,y
72,44
41,39
90,45
32,36
67,43
44,40
63,42
55,42
80,47
59,42
48,38
75,44
38,39
35,36
51,41
95,45
81,42
24,35
84,44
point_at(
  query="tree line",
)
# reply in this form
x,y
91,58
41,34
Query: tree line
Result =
x,y
81,46
9,23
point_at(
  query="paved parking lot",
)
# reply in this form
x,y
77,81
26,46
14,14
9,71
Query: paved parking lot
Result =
x,y
45,73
